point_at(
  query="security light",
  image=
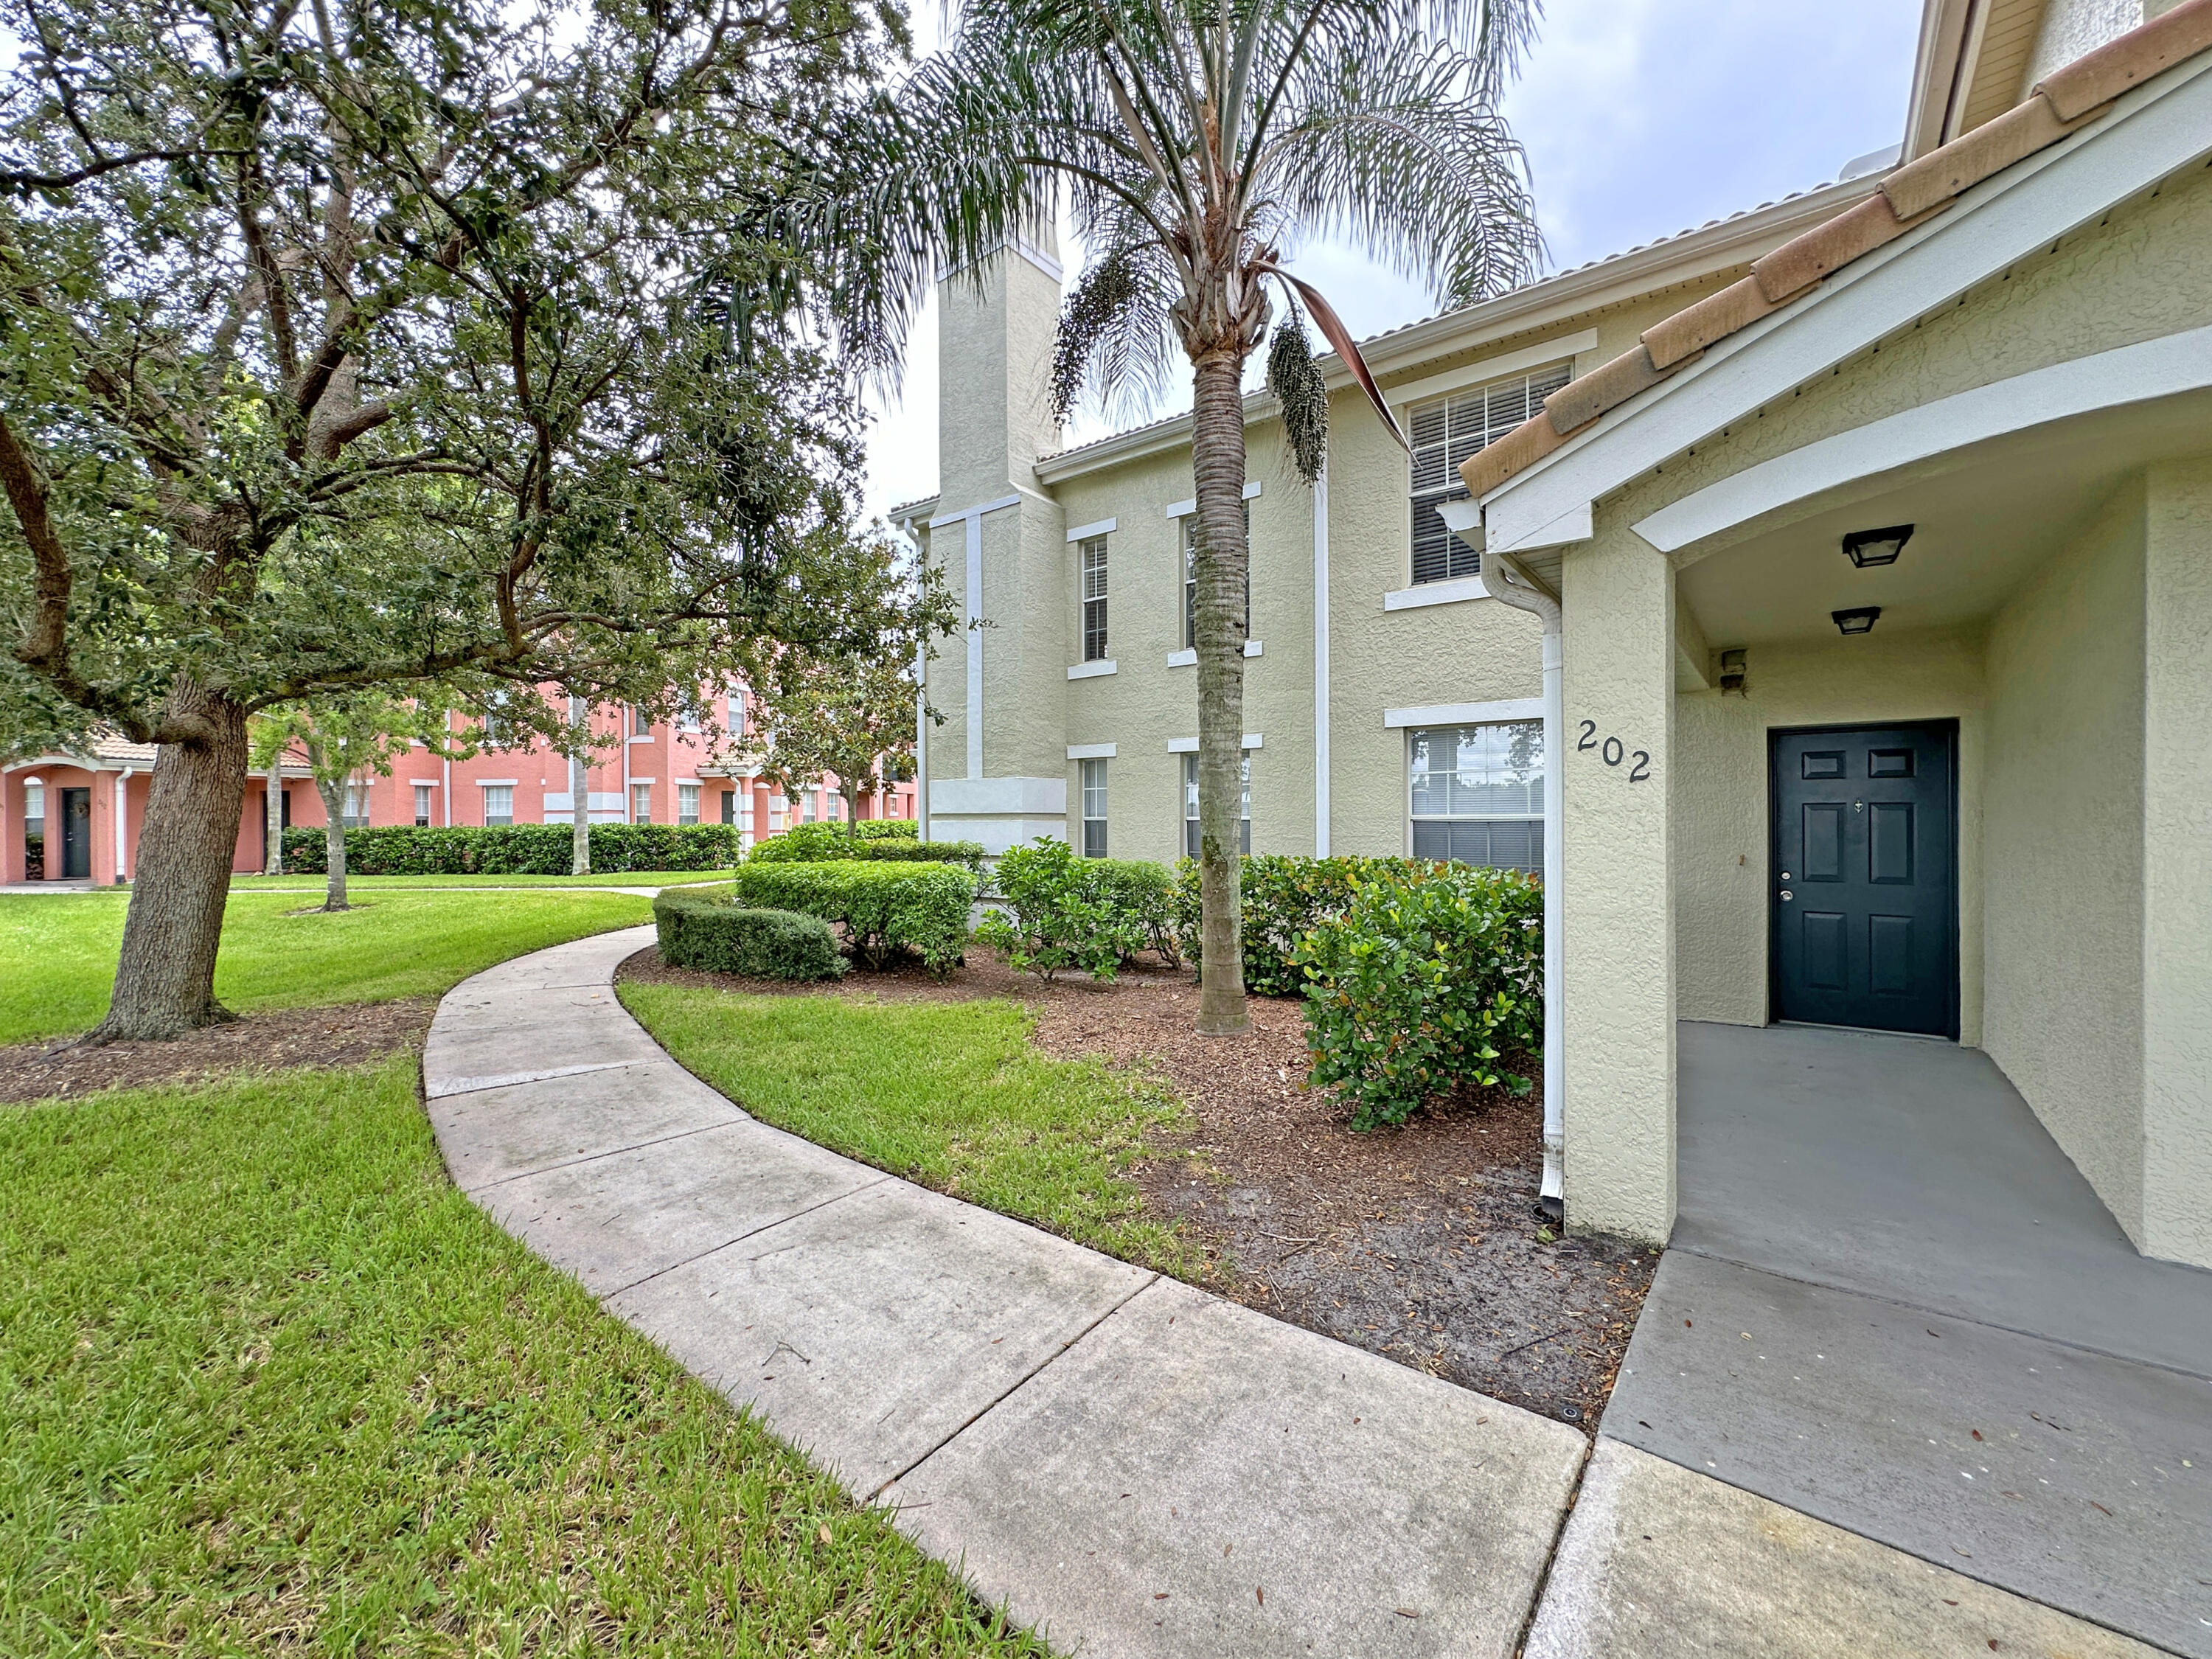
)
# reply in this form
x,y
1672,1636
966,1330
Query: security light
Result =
x,y
1860,620
1866,548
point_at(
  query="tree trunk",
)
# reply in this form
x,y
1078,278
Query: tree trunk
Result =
x,y
580,800
165,977
334,893
272,818
852,815
1217,460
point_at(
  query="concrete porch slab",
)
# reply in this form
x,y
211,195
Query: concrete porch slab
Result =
x,y
2071,1477
872,1329
1194,1479
1659,1562
616,1220
494,1134
1909,1168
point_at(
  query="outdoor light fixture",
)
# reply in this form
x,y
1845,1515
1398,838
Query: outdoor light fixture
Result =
x,y
1860,620
1867,547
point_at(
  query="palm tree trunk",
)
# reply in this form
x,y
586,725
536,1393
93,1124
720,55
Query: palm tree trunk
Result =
x,y
334,891
1217,459
165,975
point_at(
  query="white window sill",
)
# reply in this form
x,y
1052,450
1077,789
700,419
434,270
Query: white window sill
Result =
x,y
1091,671
1188,658
1444,593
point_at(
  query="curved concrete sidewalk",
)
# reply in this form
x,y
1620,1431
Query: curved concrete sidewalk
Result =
x,y
1134,1467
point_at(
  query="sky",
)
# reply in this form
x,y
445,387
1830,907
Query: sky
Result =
x,y
1640,119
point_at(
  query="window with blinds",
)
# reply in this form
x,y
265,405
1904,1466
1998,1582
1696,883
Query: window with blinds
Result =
x,y
1476,794
1093,560
1445,433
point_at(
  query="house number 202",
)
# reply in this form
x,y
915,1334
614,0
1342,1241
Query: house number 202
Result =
x,y
1613,752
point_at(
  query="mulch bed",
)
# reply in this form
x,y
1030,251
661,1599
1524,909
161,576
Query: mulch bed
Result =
x,y
1421,1243
346,1034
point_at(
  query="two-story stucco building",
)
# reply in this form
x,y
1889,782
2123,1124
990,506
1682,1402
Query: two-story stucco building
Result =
x,y
1822,600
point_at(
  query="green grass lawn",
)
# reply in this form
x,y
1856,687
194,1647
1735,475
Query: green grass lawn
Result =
x,y
605,879
57,952
271,1383
948,1094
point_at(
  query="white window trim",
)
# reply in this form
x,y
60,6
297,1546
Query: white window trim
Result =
x,y
1083,751
1540,355
1464,714
1091,671
495,783
1184,510
1455,590
1189,745
1187,657
635,782
1083,532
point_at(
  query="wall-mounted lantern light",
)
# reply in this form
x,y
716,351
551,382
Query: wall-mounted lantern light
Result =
x,y
1869,548
1860,620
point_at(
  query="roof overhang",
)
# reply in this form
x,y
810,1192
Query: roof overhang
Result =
x,y
2152,132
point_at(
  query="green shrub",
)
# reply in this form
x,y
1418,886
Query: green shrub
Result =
x,y
706,930
1284,898
883,908
820,843
1059,912
1144,892
514,849
1422,983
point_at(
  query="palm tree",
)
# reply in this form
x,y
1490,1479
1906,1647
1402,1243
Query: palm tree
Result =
x,y
1196,139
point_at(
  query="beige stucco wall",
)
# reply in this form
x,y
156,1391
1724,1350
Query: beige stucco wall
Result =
x,y
2063,850
1145,702
1620,673
2176,947
1723,878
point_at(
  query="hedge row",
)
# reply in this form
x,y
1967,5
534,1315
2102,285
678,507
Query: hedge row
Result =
x,y
1284,898
883,908
516,849
706,930
824,843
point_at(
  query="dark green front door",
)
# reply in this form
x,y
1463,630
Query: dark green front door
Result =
x,y
1865,914
76,833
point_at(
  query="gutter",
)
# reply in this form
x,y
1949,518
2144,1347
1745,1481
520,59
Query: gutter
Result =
x,y
1724,245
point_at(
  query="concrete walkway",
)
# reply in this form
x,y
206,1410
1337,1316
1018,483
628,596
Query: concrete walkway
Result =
x,y
1894,1303
1136,1468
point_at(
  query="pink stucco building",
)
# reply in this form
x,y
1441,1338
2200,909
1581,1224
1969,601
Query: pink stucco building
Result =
x,y
76,816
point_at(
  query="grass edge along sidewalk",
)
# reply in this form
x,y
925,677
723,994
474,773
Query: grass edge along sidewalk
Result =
x,y
276,1383
948,1094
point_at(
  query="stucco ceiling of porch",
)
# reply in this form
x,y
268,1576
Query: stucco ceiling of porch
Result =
x,y
1985,518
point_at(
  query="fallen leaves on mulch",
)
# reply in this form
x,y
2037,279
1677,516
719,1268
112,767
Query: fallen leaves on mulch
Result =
x,y
1420,1242
346,1034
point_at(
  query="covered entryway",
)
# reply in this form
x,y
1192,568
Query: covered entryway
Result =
x,y
1892,1301
1865,855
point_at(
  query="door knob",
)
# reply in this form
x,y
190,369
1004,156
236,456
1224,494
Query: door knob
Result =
x,y
1785,895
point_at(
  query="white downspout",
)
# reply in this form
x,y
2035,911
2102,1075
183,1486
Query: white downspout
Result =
x,y
1322,804
1508,580
122,819
922,743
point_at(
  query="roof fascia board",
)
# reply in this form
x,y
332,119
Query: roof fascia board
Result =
x,y
2152,132
2166,367
1686,259
1937,73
